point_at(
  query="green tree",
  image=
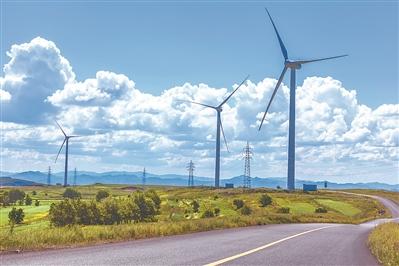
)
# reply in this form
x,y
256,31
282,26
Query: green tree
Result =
x,y
152,194
102,194
195,206
70,193
62,213
34,193
110,211
15,194
265,200
37,203
239,203
146,207
15,217
4,199
28,200
216,211
208,213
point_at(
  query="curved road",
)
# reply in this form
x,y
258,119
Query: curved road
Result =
x,y
283,244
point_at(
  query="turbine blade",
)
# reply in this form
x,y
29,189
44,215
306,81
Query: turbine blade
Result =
x,y
61,128
274,93
231,94
283,49
320,59
209,106
60,150
224,137
73,136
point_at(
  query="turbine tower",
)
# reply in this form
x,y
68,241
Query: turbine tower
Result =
x,y
247,166
219,128
66,140
190,168
293,65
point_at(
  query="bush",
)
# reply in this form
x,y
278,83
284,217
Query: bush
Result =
x,y
28,200
101,194
37,203
195,205
245,210
278,187
265,200
155,198
71,194
34,193
4,199
216,211
15,194
283,210
239,203
320,210
62,213
208,213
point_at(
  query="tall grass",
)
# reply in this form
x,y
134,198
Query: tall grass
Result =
x,y
384,243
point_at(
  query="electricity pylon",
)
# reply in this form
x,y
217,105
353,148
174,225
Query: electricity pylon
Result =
x,y
247,166
190,168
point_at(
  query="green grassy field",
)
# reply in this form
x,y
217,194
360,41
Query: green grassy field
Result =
x,y
176,214
384,243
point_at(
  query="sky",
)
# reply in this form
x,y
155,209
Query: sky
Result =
x,y
114,72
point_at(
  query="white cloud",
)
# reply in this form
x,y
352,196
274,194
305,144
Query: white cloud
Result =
x,y
121,123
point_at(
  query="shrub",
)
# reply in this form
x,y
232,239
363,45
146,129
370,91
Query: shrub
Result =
x,y
195,205
4,199
101,194
208,213
265,200
278,187
15,217
37,203
28,200
216,211
239,203
320,210
284,210
15,194
154,197
34,193
70,193
62,213
245,210
146,207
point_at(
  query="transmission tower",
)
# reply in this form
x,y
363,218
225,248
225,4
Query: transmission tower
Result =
x,y
190,168
144,177
74,177
49,176
247,166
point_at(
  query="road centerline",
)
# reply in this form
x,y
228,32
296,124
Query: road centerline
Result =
x,y
265,246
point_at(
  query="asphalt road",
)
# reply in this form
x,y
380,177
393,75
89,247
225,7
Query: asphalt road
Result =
x,y
284,244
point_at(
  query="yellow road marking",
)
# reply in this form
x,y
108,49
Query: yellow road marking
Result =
x,y
264,246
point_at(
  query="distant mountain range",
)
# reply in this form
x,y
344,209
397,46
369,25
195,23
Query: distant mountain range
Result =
x,y
122,177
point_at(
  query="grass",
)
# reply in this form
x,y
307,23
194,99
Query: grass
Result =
x,y
384,243
394,196
176,214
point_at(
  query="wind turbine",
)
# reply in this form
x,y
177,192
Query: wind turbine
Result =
x,y
66,139
293,65
219,127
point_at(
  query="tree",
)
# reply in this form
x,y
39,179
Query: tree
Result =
x,y
265,200
152,194
71,194
239,203
62,213
216,211
37,203
4,199
195,206
15,217
34,193
15,194
109,210
28,200
146,206
101,194
245,210
208,213
320,210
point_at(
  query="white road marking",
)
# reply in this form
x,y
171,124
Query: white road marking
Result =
x,y
264,246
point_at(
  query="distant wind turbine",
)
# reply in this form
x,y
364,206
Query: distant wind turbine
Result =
x,y
219,127
66,139
293,65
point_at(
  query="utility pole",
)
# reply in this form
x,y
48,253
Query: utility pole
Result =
x,y
247,166
144,177
74,178
49,176
190,168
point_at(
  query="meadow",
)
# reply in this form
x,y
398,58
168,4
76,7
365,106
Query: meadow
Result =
x,y
177,215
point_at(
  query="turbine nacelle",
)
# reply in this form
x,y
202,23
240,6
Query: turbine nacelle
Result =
x,y
292,64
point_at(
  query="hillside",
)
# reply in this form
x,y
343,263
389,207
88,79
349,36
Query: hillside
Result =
x,y
11,182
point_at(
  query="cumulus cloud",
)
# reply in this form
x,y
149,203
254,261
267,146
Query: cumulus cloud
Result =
x,y
119,121
35,70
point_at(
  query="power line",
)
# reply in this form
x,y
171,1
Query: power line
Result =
x,y
190,168
247,166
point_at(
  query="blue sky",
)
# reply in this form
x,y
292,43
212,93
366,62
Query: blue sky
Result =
x,y
160,46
